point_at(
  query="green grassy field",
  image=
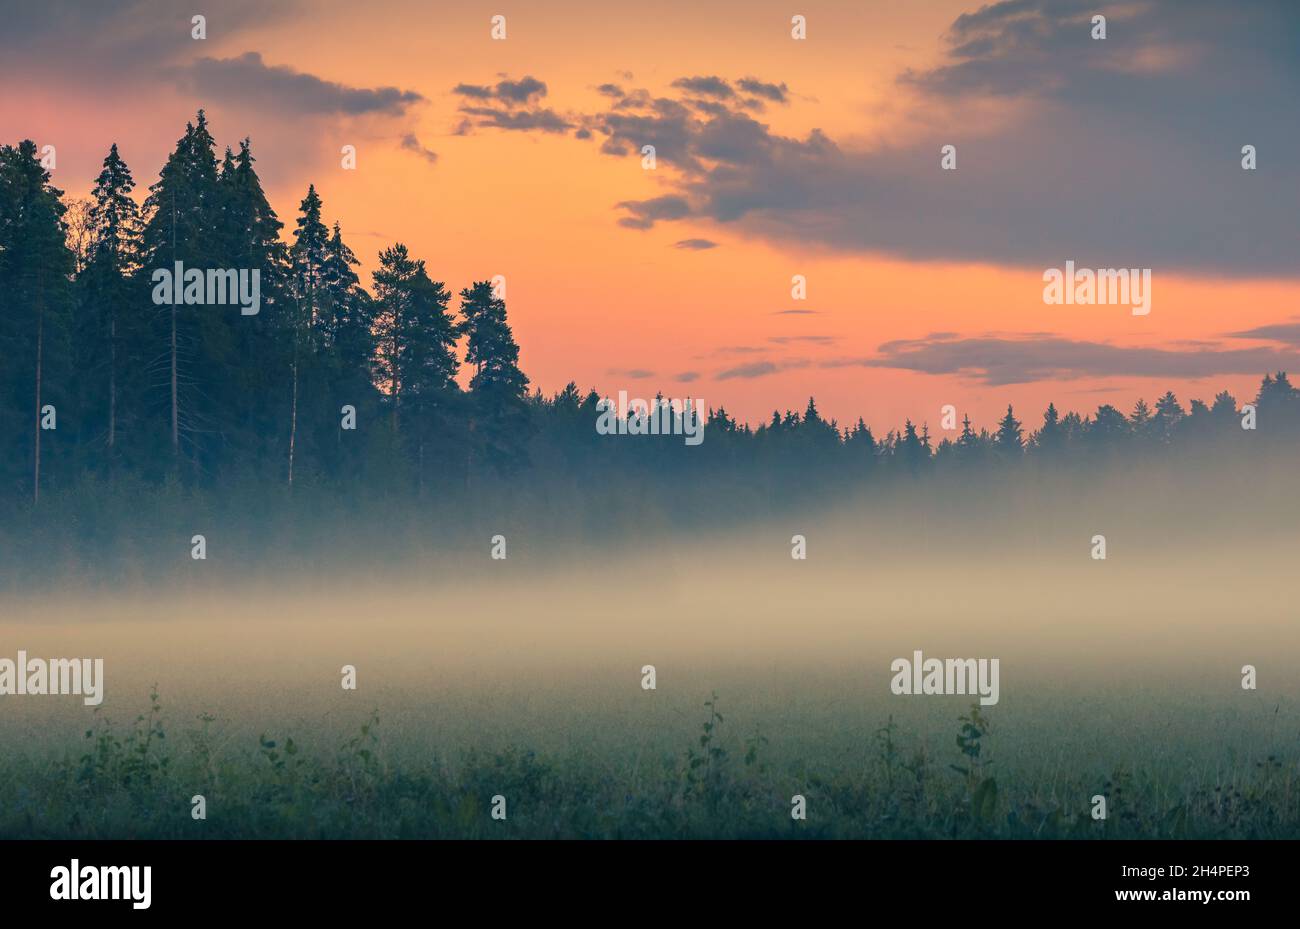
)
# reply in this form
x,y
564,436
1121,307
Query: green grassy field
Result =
x,y
671,769
521,678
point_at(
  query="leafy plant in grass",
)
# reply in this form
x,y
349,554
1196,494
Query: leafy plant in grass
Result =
x,y
983,791
136,761
705,765
358,761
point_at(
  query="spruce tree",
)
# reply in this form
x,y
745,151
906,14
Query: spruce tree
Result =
x,y
1168,415
1049,438
498,387
307,264
1010,436
416,361
348,318
183,215
250,405
115,253
913,453
35,279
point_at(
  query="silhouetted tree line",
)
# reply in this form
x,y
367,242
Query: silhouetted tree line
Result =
x,y
207,398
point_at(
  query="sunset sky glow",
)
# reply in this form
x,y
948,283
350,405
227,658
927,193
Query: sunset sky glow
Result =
x,y
775,157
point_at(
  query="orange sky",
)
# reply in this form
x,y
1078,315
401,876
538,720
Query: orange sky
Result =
x,y
605,305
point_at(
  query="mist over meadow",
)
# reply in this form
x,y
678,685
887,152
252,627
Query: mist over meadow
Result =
x,y
1003,560
523,676
232,510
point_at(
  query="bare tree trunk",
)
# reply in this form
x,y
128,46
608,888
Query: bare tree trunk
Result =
x,y
176,420
112,383
36,458
293,414
297,340
397,380
176,427
469,453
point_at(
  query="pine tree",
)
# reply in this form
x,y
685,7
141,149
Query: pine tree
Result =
x,y
1109,426
308,258
719,422
115,253
1278,402
348,317
818,432
1050,437
416,338
1169,413
1010,437
252,230
914,454
968,438
861,445
498,386
183,215
248,407
342,317
1223,412
346,320
35,273
1140,420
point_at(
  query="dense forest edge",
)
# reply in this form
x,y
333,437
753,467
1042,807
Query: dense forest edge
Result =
x,y
126,418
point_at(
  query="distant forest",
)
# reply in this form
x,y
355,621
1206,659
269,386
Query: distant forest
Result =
x,y
208,400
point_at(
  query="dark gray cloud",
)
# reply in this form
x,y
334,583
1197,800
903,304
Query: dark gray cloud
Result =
x,y
687,376
998,361
474,91
668,125
118,41
520,91
1287,333
763,368
750,370
710,107
1121,152
638,97
511,105
411,144
706,86
814,339
518,120
511,93
645,213
695,245
777,93
280,88
730,139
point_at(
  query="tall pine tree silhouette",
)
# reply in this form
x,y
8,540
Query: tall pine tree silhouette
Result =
x,y
108,285
182,219
308,265
249,357
416,338
498,389
35,269
1009,439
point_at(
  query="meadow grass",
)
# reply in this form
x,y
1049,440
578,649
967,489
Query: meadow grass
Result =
x,y
728,778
